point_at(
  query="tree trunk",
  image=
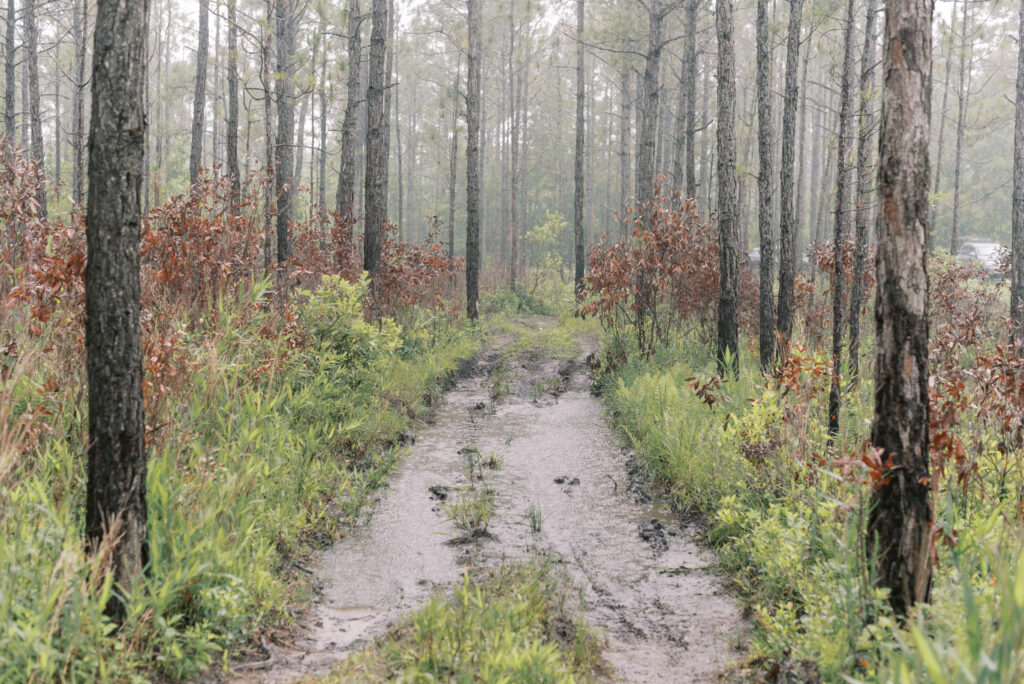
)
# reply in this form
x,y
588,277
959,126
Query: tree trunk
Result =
x,y
1017,243
376,153
10,55
867,125
35,116
284,170
766,336
649,109
473,163
453,157
690,73
513,260
842,214
232,123
115,509
789,223
963,95
195,158
800,211
322,172
578,189
270,201
300,140
345,200
388,82
942,126
728,352
900,519
625,133
398,150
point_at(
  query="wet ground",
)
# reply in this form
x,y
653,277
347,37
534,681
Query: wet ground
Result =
x,y
537,440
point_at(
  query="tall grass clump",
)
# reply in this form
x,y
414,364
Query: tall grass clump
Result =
x,y
515,624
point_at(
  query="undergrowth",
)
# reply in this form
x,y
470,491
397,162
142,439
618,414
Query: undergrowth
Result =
x,y
268,446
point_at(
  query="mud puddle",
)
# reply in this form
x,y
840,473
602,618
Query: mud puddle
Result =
x,y
541,445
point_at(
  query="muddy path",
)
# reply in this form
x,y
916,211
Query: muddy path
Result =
x,y
529,431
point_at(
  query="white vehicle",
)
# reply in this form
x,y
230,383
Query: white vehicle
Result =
x,y
986,252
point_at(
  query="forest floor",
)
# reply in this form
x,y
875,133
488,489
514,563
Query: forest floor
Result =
x,y
521,447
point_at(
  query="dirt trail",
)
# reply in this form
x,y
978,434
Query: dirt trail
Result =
x,y
644,581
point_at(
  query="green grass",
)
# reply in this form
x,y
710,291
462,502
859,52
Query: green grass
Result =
x,y
267,447
517,624
787,520
472,511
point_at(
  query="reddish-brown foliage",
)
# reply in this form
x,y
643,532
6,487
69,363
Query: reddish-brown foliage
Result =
x,y
662,275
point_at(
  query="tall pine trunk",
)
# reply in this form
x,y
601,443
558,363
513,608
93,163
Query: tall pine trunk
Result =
x,y
690,50
578,188
1017,243
728,352
115,506
234,171
863,212
10,60
195,158
473,162
900,519
376,201
963,95
841,219
345,199
766,335
284,170
625,133
35,115
789,222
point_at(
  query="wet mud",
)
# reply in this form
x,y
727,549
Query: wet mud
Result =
x,y
563,486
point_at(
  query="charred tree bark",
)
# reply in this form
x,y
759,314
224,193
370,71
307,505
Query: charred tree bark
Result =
x,y
766,335
115,508
345,200
35,116
789,223
376,202
867,124
232,123
1017,242
900,519
195,158
841,219
578,188
284,170
728,352
473,162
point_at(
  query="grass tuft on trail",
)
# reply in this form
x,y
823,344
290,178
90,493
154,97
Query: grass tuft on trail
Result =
x,y
517,624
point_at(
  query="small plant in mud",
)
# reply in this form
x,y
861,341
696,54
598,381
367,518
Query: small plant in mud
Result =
x,y
472,511
545,386
501,382
492,461
534,517
474,463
